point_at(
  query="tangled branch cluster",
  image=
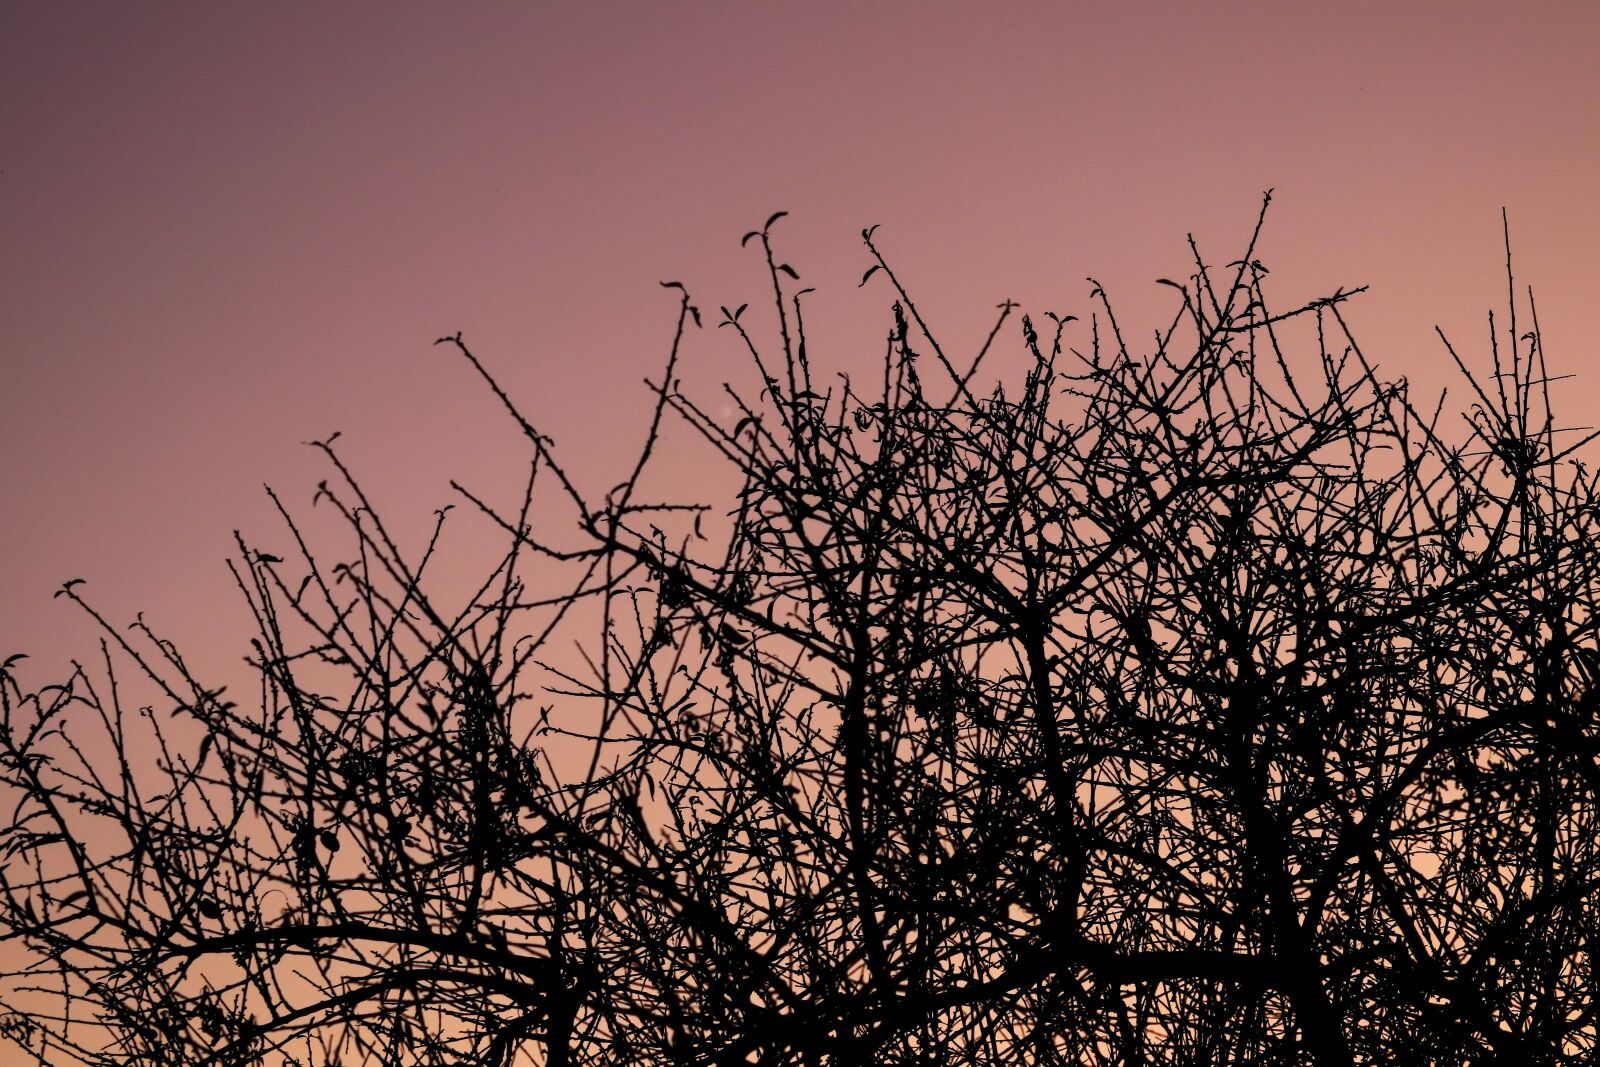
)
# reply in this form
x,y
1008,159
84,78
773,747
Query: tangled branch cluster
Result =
x,y
1207,705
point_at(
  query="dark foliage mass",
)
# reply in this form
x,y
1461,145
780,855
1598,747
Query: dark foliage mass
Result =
x,y
1213,701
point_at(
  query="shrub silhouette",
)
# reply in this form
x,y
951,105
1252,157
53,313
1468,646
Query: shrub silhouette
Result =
x,y
1217,703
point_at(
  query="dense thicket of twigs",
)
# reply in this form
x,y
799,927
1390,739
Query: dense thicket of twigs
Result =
x,y
1201,703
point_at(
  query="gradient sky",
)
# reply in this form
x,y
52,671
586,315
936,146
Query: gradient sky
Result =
x,y
226,229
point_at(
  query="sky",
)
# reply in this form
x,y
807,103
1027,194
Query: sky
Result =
x,y
229,229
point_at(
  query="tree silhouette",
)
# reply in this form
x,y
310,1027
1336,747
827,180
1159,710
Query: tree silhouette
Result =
x,y
1216,703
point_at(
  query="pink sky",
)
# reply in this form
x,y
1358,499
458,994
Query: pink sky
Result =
x,y
227,229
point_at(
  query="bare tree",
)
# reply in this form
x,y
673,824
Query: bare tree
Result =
x,y
1215,703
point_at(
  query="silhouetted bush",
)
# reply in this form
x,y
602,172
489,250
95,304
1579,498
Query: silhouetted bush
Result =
x,y
1213,703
